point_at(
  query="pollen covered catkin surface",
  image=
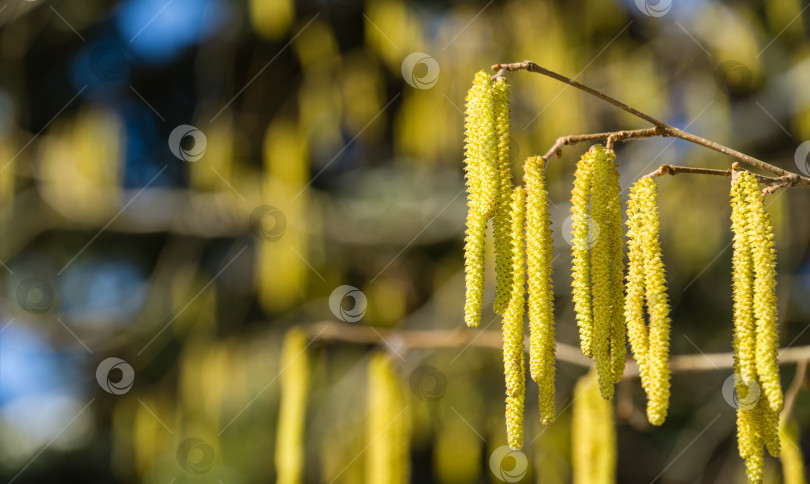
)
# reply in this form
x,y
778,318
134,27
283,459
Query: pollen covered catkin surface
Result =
x,y
606,281
646,283
503,261
289,457
541,291
481,152
513,357
580,251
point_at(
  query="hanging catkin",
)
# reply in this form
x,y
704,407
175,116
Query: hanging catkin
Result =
x,y
541,291
580,248
513,364
598,287
755,331
646,283
388,427
503,260
292,412
593,434
482,188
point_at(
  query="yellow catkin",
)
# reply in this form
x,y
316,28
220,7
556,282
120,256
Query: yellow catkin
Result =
x,y
764,262
513,364
791,455
613,235
580,250
606,282
593,434
646,282
388,426
541,290
292,412
503,263
482,188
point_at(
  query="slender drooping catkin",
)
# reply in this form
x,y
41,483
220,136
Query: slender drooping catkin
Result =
x,y
764,261
482,188
292,411
606,282
541,291
593,434
513,365
503,261
646,282
580,249
791,456
388,426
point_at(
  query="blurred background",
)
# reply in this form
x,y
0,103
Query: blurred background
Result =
x,y
182,181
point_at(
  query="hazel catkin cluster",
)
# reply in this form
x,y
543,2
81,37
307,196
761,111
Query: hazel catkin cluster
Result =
x,y
646,284
522,246
597,264
755,326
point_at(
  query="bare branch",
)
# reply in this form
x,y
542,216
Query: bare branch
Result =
x,y
661,128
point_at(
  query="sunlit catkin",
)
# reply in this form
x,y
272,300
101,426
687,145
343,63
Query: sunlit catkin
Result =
x,y
503,261
580,249
388,426
481,152
541,291
791,456
513,364
646,282
292,411
764,261
593,434
606,282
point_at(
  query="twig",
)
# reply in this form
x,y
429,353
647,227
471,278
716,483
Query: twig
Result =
x,y
661,128
675,170
455,338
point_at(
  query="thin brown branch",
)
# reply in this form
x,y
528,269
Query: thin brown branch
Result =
x,y
676,170
463,337
661,128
